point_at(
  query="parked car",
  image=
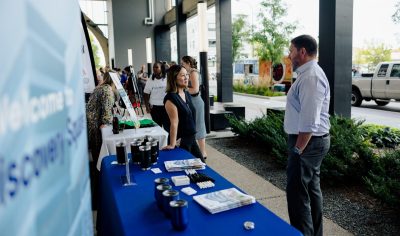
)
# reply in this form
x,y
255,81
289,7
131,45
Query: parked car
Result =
x,y
381,86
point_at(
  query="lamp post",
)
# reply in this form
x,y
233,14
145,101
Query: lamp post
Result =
x,y
203,48
148,55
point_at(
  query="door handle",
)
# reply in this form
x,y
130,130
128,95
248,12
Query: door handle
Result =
x,y
387,82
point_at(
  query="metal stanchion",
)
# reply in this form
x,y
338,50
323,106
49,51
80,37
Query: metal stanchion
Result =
x,y
205,88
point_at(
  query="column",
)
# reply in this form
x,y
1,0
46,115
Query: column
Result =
x,y
335,51
162,43
181,33
224,50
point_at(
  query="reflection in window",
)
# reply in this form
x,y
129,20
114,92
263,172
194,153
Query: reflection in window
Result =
x,y
382,71
212,42
395,71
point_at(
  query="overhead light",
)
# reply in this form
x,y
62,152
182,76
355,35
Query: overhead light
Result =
x,y
148,50
130,60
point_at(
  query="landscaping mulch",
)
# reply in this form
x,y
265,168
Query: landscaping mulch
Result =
x,y
351,207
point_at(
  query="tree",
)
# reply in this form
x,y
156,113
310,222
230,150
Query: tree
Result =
x,y
359,56
95,50
272,38
239,34
373,54
396,15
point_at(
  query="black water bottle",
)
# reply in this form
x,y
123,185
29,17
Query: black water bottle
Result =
x,y
115,125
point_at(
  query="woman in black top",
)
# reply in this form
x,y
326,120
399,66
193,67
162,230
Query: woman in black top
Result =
x,y
181,112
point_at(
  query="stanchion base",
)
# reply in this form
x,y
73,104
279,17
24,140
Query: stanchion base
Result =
x,y
116,163
125,181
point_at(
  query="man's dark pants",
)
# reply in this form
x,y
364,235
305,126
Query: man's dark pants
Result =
x,y
303,192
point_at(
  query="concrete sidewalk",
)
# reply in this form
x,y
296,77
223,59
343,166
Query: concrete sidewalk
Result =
x,y
267,194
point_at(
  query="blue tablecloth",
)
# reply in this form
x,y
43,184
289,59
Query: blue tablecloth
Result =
x,y
133,211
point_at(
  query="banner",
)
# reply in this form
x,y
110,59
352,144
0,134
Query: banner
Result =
x,y
44,174
125,98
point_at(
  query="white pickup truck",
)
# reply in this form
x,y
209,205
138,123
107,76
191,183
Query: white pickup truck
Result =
x,y
381,86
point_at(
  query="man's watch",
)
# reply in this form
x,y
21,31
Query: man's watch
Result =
x,y
297,150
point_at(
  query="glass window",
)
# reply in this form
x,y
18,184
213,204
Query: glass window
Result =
x,y
395,71
97,12
211,26
382,71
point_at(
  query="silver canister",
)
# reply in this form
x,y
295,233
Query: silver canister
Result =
x,y
179,214
136,155
158,194
148,139
159,181
145,162
121,152
168,196
155,148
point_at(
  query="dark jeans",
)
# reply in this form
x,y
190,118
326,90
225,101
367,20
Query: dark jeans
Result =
x,y
189,144
303,191
94,184
141,86
95,142
160,116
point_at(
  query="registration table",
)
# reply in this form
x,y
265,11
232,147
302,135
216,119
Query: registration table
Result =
x,y
132,210
110,140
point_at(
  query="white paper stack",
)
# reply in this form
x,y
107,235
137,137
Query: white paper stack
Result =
x,y
224,200
180,165
180,180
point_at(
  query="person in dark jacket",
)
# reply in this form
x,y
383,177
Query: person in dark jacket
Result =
x,y
181,112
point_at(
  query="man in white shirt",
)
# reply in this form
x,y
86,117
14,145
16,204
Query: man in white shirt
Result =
x,y
307,124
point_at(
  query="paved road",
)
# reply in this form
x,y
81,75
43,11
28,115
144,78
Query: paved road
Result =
x,y
388,115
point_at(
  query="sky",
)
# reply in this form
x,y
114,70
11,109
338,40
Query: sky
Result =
x,y
369,24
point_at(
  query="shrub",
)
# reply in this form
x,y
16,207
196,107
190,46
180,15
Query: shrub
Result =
x,y
381,136
349,154
349,159
239,126
266,129
385,138
254,89
383,180
269,130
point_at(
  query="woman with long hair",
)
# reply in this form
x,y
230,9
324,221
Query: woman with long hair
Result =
x,y
98,115
181,113
190,65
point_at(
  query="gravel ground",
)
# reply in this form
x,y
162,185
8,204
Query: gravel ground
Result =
x,y
351,207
